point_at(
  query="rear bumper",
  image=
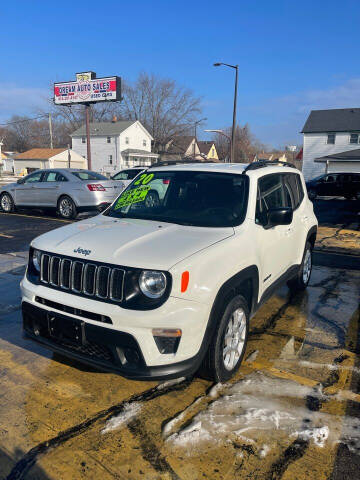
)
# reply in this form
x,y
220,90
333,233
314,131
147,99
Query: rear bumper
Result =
x,y
104,348
93,208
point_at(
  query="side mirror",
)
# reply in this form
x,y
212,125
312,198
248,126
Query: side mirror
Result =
x,y
279,216
20,181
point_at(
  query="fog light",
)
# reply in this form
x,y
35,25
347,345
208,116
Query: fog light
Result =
x,y
167,340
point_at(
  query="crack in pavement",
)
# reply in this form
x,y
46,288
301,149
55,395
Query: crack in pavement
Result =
x,y
149,450
30,458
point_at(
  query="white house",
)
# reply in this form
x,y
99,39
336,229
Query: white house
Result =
x,y
36,158
115,145
331,142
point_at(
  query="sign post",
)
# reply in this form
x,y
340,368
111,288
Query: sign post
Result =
x,y
85,90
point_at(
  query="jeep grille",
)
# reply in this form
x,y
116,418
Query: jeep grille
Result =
x,y
82,277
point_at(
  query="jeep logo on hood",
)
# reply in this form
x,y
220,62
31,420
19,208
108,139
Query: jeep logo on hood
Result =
x,y
82,251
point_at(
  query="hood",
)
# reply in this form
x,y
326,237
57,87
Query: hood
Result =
x,y
130,242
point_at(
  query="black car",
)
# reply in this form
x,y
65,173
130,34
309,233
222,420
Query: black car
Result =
x,y
335,185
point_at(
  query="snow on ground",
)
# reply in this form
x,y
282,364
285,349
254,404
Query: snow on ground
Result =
x,y
129,412
266,406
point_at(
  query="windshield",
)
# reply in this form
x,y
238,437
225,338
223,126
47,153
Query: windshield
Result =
x,y
126,175
203,199
87,175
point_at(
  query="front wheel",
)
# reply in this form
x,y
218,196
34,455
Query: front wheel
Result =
x,y
227,347
66,208
7,203
300,282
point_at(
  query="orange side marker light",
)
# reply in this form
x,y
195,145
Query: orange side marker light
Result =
x,y
184,281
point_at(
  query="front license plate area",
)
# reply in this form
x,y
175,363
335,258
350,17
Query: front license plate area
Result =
x,y
65,329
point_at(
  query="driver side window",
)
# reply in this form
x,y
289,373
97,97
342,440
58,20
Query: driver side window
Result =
x,y
34,177
272,193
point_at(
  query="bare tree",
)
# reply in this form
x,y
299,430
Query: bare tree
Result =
x,y
161,105
246,145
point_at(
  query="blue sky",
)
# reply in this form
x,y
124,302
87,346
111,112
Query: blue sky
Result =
x,y
293,56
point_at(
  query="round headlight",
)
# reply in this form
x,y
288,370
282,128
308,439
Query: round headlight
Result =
x,y
152,283
36,258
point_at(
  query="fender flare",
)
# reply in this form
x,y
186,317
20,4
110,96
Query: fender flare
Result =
x,y
311,232
251,274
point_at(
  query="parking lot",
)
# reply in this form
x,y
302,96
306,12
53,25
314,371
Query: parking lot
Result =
x,y
292,411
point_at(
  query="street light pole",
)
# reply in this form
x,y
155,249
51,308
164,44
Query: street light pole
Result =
x,y
236,67
195,128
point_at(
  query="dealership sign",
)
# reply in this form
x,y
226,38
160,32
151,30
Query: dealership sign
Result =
x,y
87,89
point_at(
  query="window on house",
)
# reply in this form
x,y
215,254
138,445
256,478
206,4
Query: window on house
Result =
x,y
83,140
331,138
144,143
110,159
127,140
354,138
108,139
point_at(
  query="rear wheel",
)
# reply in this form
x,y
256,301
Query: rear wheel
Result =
x,y
7,203
227,347
66,208
300,282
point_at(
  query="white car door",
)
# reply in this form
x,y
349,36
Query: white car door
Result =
x,y
48,189
26,193
274,244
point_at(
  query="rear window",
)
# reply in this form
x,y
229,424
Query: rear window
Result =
x,y
86,175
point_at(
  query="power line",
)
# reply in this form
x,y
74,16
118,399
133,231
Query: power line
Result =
x,y
24,121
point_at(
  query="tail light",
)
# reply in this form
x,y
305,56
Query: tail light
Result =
x,y
95,187
166,181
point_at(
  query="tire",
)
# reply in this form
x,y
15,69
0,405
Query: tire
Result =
x,y
66,208
152,199
7,203
301,281
312,195
218,365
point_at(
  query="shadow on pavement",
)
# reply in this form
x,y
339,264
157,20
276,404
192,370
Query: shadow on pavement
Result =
x,y
7,462
337,212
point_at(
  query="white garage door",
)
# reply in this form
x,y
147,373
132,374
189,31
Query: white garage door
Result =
x,y
344,167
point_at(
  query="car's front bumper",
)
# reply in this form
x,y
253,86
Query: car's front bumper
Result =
x,y
105,343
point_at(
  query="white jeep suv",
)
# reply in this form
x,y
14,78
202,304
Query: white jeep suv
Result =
x,y
167,288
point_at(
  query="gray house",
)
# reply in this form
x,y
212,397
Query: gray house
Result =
x,y
331,142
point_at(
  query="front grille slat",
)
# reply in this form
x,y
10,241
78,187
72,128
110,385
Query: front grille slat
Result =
x,y
65,273
102,282
116,284
89,279
77,276
54,270
82,277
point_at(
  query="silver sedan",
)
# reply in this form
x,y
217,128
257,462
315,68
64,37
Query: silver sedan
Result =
x,y
67,190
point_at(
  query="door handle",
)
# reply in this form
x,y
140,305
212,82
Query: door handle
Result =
x,y
305,218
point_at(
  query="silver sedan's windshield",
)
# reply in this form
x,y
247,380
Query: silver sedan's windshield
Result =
x,y
196,198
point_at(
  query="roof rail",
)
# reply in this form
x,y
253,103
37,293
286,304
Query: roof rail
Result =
x,y
167,163
266,163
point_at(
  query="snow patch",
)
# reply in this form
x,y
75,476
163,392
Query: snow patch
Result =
x,y
267,407
129,412
253,356
318,435
169,383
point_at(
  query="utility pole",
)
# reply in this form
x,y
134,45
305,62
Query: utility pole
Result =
x,y
69,156
51,132
87,115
